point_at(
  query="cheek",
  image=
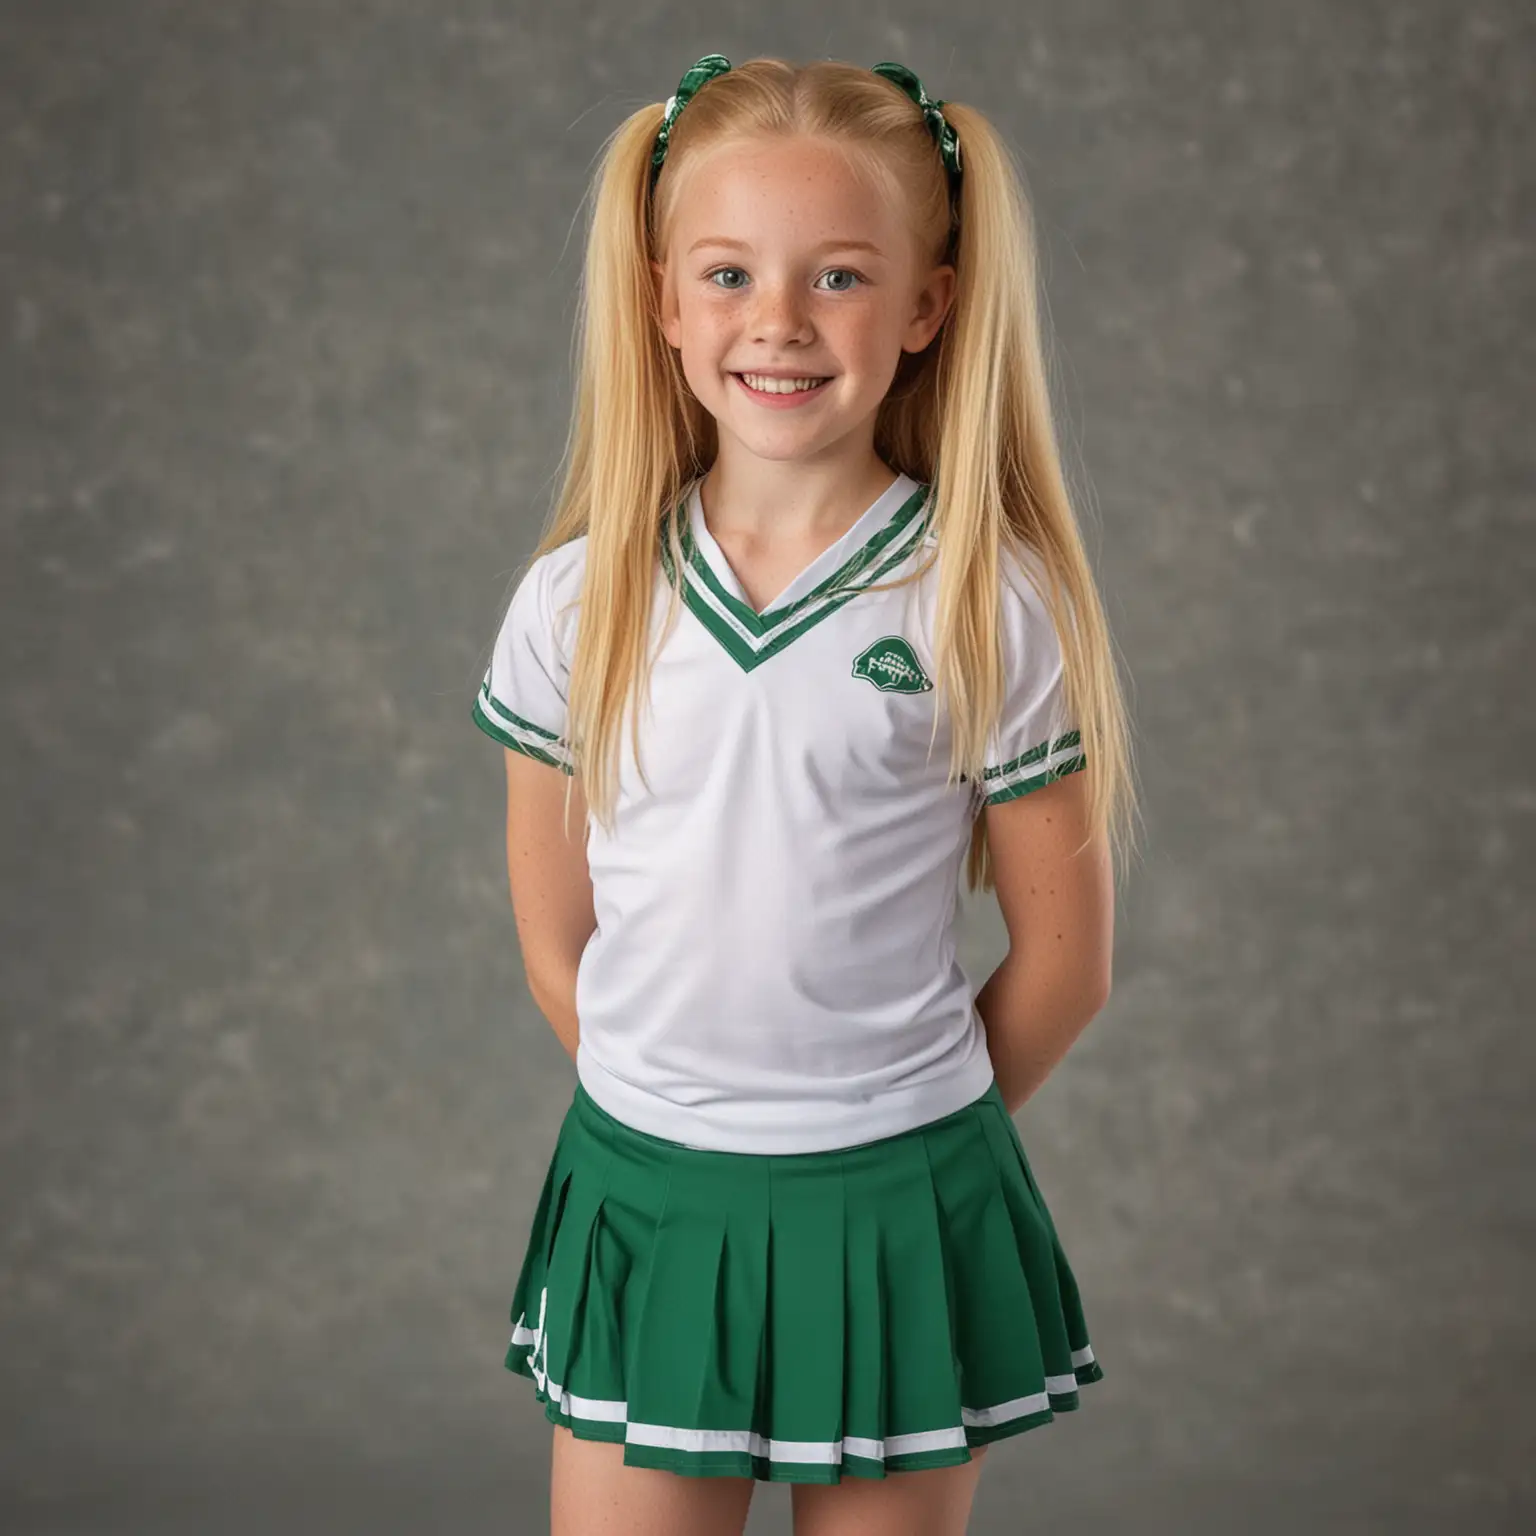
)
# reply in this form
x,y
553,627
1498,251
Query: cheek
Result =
x,y
703,325
870,340
864,325
704,344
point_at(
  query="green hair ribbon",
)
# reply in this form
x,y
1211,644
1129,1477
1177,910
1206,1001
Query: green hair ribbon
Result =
x,y
939,126
713,64
706,69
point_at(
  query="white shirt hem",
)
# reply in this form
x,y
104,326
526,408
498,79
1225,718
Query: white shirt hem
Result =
x,y
735,1125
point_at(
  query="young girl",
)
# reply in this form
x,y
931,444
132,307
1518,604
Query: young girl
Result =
x,y
813,526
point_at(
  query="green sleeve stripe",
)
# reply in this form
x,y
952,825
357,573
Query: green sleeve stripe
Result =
x,y
512,730
494,706
1034,769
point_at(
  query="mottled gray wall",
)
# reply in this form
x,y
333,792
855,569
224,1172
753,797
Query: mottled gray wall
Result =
x,y
287,291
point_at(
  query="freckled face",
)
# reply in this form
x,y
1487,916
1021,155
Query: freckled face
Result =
x,y
783,259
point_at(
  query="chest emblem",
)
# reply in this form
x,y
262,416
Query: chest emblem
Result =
x,y
891,665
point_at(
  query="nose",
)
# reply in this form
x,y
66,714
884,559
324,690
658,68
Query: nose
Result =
x,y
779,314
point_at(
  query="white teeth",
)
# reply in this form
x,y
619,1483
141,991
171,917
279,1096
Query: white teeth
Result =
x,y
779,386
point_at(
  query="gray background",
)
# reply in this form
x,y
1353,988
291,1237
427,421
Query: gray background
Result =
x,y
287,296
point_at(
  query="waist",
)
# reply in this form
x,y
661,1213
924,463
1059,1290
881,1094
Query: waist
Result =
x,y
709,1108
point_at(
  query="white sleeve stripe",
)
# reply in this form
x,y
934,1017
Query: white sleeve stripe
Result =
x,y
1039,766
512,730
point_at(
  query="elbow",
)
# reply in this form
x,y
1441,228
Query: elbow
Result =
x,y
1103,985
1090,990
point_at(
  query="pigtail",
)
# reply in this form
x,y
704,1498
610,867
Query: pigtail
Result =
x,y
631,449
1001,486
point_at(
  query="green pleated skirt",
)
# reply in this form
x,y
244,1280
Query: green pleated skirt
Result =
x,y
797,1317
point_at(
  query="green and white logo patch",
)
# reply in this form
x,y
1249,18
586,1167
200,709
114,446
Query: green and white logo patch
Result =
x,y
891,665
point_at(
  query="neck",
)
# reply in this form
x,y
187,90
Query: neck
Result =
x,y
788,502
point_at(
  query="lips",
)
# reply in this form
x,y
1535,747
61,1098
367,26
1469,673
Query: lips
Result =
x,y
787,396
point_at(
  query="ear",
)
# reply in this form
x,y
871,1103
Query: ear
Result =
x,y
929,308
666,305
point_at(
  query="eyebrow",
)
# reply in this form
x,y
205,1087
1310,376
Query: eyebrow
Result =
x,y
826,245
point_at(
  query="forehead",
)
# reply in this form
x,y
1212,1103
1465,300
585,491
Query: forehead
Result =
x,y
772,191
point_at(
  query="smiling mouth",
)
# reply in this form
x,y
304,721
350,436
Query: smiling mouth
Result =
x,y
763,384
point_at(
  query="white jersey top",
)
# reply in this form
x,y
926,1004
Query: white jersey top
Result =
x,y
774,967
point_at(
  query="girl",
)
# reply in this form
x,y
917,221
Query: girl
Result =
x,y
788,1231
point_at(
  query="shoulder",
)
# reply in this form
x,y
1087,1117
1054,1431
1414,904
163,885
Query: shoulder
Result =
x,y
1024,576
1023,611
1023,579
550,589
1028,623
559,570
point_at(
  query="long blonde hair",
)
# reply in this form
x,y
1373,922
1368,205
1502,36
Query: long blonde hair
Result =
x,y
970,415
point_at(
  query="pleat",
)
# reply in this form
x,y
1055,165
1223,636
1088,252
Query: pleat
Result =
x,y
866,1386
569,1272
807,1302
674,1330
547,1215
554,1220
1022,1157
924,1409
592,1329
1087,1370
739,1380
526,1293
533,1251
997,1344
1037,1252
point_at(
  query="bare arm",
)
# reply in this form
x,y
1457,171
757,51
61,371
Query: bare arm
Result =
x,y
1059,909
550,886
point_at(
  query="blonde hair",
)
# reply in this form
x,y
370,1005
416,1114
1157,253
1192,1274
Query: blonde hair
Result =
x,y
970,415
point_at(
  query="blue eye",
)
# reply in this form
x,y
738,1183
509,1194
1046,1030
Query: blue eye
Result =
x,y
710,277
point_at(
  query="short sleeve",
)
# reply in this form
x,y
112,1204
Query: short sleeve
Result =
x,y
1034,741
521,702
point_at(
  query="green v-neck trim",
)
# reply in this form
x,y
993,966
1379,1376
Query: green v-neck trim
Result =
x,y
750,638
